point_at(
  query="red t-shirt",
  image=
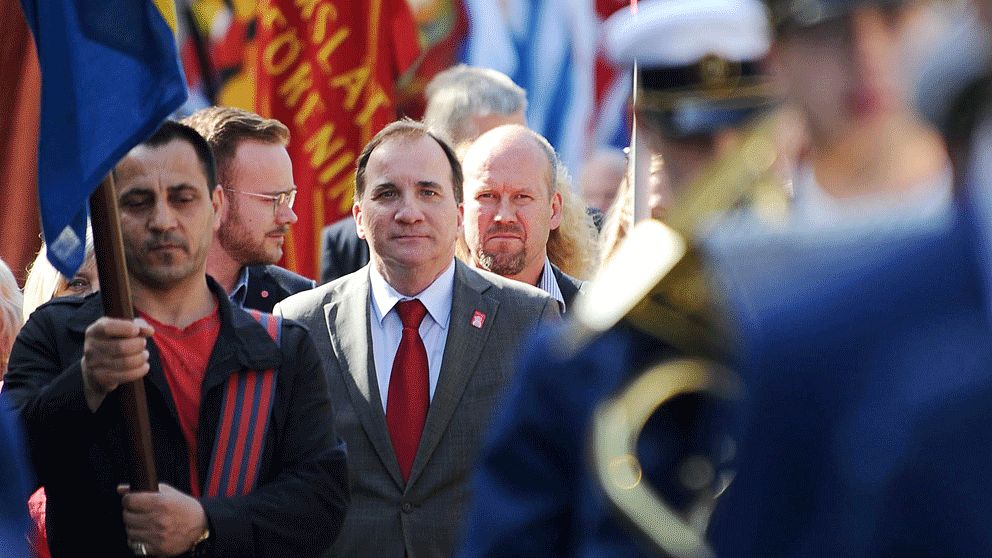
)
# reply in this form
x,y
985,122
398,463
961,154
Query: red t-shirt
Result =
x,y
184,354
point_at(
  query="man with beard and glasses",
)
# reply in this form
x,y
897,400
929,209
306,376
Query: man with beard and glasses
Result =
x,y
513,204
257,194
239,476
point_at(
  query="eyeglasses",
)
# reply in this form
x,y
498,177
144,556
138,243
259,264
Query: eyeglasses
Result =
x,y
284,199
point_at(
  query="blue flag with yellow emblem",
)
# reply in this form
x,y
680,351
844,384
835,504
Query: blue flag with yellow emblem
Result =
x,y
110,74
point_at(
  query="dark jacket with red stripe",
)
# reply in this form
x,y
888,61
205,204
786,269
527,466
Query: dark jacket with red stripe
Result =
x,y
298,505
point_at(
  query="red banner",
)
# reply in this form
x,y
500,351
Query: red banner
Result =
x,y
327,69
20,97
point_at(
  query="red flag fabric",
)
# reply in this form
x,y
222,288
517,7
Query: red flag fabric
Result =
x,y
20,98
327,69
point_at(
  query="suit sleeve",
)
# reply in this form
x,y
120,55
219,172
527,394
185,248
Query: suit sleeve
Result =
x,y
550,314
298,512
521,490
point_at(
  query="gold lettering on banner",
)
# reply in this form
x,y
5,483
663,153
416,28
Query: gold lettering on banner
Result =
x,y
373,102
288,39
352,82
322,145
271,15
307,7
327,49
312,103
293,88
344,160
325,14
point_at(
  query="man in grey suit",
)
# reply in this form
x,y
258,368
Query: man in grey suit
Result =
x,y
417,347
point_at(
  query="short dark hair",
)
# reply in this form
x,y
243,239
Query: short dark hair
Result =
x,y
407,128
171,130
226,128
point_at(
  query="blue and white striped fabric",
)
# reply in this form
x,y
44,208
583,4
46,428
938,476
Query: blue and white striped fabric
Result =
x,y
548,48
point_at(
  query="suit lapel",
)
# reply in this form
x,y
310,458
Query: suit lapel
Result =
x,y
462,351
348,318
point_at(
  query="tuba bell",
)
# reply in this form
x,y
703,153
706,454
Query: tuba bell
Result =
x,y
667,296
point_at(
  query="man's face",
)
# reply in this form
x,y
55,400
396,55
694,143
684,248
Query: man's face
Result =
x,y
250,231
509,211
847,74
408,212
167,213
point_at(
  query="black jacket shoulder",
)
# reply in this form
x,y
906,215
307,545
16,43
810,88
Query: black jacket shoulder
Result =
x,y
269,284
342,252
569,286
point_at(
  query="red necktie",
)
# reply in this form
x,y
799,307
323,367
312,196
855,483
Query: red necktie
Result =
x,y
408,399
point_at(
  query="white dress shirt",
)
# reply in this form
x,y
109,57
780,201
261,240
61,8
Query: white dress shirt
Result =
x,y
387,329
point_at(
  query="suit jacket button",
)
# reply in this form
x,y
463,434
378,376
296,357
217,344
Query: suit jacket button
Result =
x,y
407,507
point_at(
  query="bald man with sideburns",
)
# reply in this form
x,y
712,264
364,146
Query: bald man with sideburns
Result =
x,y
513,203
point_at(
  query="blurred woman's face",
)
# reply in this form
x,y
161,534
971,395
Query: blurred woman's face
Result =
x,y
86,281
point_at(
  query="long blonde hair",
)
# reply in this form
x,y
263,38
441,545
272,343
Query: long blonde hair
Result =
x,y
44,281
574,245
11,300
619,219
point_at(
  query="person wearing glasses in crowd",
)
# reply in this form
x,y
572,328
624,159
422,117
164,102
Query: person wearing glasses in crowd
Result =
x,y
257,195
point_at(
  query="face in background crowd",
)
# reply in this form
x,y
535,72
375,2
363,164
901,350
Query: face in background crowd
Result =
x,y
601,177
167,214
847,74
85,281
408,211
510,206
252,231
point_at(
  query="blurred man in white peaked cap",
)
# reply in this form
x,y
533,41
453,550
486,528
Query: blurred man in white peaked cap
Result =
x,y
700,80
535,493
846,65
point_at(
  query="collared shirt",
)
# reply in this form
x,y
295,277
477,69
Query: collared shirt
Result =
x,y
387,329
240,291
549,284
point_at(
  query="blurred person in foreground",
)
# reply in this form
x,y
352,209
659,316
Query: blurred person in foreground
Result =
x,y
18,480
194,350
513,205
256,210
845,66
417,346
535,493
866,356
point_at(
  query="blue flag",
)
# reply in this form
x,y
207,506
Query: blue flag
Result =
x,y
110,74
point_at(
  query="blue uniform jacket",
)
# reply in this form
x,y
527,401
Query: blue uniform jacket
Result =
x,y
534,493
866,355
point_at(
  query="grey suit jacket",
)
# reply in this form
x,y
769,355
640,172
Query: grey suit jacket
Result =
x,y
422,517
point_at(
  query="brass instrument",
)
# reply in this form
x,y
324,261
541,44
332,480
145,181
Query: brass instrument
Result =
x,y
666,295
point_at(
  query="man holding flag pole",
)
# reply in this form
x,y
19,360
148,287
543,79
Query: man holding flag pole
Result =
x,y
238,421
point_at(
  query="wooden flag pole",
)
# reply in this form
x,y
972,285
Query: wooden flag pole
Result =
x,y
115,289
